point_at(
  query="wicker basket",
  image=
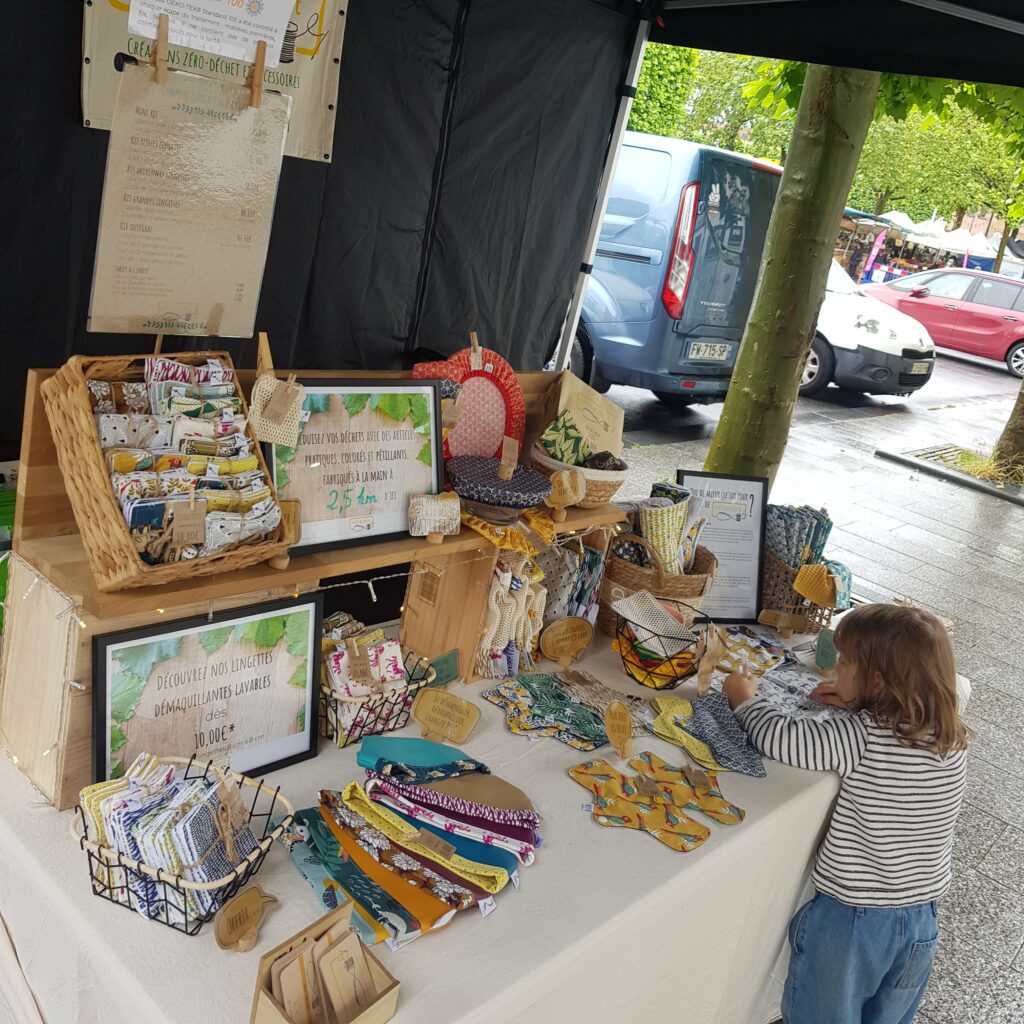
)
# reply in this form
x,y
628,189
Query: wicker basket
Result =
x,y
114,876
777,594
601,483
375,713
622,578
105,535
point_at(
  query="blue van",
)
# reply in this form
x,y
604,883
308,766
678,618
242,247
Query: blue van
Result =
x,y
676,266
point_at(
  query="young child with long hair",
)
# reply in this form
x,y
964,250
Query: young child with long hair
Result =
x,y
861,951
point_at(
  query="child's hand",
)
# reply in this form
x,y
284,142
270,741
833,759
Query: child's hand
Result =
x,y
739,687
828,693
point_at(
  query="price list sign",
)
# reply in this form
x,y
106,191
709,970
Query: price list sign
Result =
x,y
188,202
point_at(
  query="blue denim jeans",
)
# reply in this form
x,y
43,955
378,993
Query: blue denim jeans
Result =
x,y
858,965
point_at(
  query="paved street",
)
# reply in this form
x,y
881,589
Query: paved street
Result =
x,y
953,550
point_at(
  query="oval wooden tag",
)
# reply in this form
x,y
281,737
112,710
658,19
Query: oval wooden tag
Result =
x,y
236,925
568,486
619,727
566,639
444,717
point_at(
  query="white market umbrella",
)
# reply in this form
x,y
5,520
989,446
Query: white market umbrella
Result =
x,y
898,219
962,241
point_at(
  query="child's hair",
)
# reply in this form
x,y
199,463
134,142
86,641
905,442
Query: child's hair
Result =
x,y
911,651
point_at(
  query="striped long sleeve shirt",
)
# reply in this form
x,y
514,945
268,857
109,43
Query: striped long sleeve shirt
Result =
x,y
890,839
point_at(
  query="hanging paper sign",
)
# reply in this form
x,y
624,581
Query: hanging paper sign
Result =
x,y
444,717
619,727
367,446
243,684
236,925
308,70
229,29
566,639
188,522
188,200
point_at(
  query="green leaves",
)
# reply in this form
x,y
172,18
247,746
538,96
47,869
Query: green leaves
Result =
x,y
298,677
395,407
282,453
317,403
125,693
426,454
300,720
140,658
264,632
296,633
117,739
419,408
663,90
281,478
355,404
212,640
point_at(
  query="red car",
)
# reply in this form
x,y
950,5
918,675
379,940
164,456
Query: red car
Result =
x,y
967,310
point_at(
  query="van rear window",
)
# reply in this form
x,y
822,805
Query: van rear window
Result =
x,y
642,175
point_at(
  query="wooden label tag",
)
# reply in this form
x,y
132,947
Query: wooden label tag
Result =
x,y
445,717
359,663
618,726
566,639
509,457
279,405
696,777
188,524
435,844
567,487
291,519
236,924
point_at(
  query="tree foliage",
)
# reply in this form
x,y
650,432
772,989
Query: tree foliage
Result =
x,y
663,90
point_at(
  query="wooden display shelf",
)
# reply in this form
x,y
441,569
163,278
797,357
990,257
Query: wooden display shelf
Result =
x,y
62,561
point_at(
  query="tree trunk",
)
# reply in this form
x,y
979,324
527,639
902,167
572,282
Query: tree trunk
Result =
x,y
881,198
1010,446
1001,251
958,217
831,124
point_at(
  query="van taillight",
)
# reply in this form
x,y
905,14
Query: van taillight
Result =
x,y
677,278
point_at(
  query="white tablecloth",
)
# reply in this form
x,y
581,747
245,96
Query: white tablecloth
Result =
x,y
608,925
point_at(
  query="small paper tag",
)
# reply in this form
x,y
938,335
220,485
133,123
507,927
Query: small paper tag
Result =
x,y
188,524
359,664
589,808
696,777
435,844
509,451
211,471
279,404
489,367
514,879
646,786
304,416
227,415
487,906
452,411
476,359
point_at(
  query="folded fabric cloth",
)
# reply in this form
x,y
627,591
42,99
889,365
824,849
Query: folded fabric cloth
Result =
x,y
204,408
662,525
653,625
117,396
789,687
714,723
564,441
671,713
560,564
408,751
480,790
212,372
379,791
189,428
386,667
592,693
843,583
488,875
128,460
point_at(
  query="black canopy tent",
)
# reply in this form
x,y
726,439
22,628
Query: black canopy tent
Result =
x,y
470,148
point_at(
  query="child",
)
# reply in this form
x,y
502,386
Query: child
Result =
x,y
862,949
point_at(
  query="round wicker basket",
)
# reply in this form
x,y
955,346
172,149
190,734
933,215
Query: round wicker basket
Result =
x,y
601,483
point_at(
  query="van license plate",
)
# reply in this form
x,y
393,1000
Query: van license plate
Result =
x,y
919,367
709,350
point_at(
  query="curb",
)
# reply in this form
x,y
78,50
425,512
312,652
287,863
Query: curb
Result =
x,y
952,476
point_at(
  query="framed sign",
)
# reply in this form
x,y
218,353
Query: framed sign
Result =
x,y
734,512
364,448
241,684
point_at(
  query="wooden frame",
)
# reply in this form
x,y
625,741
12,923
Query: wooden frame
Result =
x,y
336,497
202,698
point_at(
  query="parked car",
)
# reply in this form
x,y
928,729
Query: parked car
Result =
x,y
676,266
967,310
864,345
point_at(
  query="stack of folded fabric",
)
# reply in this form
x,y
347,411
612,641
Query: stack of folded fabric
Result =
x,y
195,829
432,832
655,800
536,705
797,536
180,433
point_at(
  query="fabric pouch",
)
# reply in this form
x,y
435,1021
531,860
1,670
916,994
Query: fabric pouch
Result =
x,y
564,441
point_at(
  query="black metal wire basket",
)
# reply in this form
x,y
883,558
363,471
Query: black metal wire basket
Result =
x,y
347,720
171,899
652,659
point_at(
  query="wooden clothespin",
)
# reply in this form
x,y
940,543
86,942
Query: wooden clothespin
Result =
x,y
159,56
255,79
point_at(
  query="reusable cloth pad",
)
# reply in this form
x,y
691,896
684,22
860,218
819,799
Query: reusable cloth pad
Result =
x,y
488,875
715,724
619,804
583,688
676,790
534,704
789,689
671,711
413,774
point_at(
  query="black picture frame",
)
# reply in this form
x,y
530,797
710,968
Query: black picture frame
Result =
x,y
359,385
685,478
280,752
